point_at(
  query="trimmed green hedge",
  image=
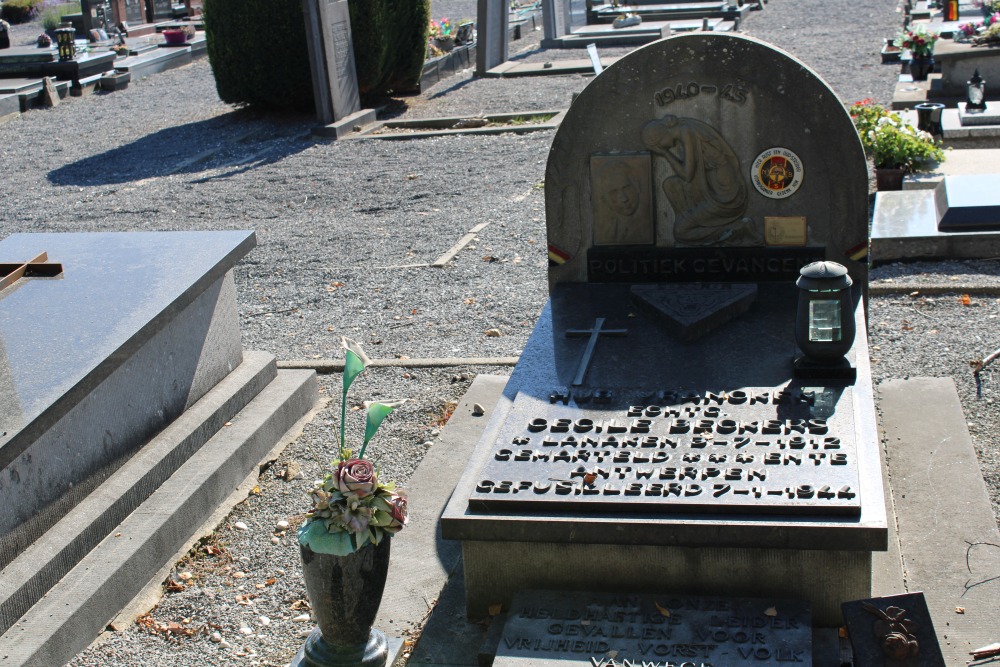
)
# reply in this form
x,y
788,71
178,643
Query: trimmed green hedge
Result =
x,y
20,11
257,49
260,58
390,44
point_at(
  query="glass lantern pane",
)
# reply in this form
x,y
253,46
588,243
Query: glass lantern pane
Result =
x,y
824,321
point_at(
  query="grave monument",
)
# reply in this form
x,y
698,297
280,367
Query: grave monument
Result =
x,y
334,74
121,367
656,435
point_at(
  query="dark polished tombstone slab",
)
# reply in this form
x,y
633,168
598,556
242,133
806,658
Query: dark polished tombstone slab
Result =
x,y
559,629
624,457
691,311
968,203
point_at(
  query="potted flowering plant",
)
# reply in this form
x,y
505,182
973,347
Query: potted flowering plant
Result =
x,y
894,146
345,541
919,40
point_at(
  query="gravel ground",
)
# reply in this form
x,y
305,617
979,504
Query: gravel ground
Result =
x,y
340,227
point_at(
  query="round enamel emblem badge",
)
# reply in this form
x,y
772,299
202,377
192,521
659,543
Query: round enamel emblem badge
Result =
x,y
777,173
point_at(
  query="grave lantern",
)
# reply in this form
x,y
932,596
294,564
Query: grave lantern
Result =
x,y
65,41
824,322
975,93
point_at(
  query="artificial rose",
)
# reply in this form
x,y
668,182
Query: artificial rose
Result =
x,y
399,509
899,646
355,477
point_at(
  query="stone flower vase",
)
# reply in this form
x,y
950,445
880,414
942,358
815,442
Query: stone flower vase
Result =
x,y
345,593
921,67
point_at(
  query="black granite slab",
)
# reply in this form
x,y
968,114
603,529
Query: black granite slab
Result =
x,y
649,367
893,631
968,203
59,337
691,311
564,629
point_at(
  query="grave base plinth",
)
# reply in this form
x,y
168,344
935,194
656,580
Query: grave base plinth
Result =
x,y
495,571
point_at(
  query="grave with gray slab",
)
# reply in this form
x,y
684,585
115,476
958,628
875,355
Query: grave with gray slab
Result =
x,y
958,218
572,24
120,365
661,433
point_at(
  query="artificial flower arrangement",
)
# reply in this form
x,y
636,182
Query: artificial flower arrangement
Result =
x,y
987,7
975,29
919,40
351,507
890,142
442,29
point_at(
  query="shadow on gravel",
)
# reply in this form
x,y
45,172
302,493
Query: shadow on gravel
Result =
x,y
240,140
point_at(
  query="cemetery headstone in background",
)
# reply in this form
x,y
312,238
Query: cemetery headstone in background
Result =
x,y
654,436
331,60
134,12
159,10
492,23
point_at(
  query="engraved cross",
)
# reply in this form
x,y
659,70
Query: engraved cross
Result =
x,y
37,267
594,334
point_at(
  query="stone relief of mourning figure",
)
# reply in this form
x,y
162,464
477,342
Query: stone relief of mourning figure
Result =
x,y
622,199
706,190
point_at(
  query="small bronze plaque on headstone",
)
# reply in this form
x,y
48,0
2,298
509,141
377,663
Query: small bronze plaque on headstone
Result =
x,y
563,629
894,631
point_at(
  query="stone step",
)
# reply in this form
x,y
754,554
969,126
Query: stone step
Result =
x,y
79,607
36,569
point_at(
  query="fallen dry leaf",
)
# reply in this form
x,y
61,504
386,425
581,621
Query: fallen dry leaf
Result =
x,y
495,609
959,610
771,611
966,300
663,610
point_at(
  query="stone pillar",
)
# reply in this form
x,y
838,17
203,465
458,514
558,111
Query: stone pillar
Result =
x,y
331,60
491,41
555,20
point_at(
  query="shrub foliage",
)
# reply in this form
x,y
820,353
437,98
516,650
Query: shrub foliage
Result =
x,y
20,11
390,44
52,15
257,49
260,58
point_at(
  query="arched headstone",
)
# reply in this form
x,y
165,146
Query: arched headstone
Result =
x,y
701,147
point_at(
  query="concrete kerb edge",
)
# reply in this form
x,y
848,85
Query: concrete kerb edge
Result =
x,y
323,366
957,288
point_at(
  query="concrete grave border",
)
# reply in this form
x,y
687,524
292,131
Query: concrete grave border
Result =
x,y
443,126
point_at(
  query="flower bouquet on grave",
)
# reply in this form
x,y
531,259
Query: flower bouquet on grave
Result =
x,y
918,40
345,542
891,143
987,7
442,34
980,32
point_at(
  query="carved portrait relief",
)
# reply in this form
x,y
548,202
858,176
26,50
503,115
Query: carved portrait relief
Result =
x,y
706,187
621,198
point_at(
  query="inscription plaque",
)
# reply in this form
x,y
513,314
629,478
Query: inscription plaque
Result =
x,y
560,629
760,450
748,265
